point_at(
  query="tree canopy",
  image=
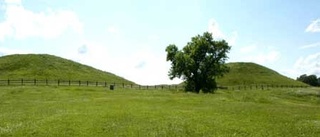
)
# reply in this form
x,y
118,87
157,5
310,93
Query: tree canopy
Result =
x,y
312,80
199,63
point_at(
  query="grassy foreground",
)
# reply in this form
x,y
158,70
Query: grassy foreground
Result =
x,y
90,111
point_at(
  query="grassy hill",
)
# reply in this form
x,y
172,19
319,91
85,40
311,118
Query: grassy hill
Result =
x,y
250,73
43,66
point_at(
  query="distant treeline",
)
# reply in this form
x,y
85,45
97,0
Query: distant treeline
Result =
x,y
311,80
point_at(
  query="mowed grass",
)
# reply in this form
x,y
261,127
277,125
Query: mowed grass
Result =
x,y
91,111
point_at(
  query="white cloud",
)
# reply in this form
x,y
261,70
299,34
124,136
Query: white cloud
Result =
x,y
143,66
314,45
291,72
233,38
308,65
83,49
214,29
153,38
268,57
314,26
248,49
252,53
22,23
18,2
304,65
113,30
262,58
5,30
6,51
153,68
259,54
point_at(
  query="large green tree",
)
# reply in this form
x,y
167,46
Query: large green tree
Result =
x,y
199,63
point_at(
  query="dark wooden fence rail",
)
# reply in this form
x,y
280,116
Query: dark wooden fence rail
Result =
x,y
46,82
262,87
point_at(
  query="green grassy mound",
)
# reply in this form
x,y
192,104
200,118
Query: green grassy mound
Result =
x,y
250,73
43,66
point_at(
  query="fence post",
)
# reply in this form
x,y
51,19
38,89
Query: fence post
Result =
x,y
147,87
105,84
162,87
139,86
87,83
35,82
22,82
122,85
8,82
79,83
58,82
96,83
131,85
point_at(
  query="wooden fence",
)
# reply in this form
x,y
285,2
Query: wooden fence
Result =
x,y
262,87
46,82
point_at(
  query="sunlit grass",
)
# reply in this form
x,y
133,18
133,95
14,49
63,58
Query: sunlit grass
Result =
x,y
91,111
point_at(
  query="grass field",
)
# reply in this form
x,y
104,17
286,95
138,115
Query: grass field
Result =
x,y
90,111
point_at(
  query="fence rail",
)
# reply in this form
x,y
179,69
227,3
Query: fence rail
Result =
x,y
262,87
46,82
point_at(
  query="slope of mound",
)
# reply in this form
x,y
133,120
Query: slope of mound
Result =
x,y
250,73
43,66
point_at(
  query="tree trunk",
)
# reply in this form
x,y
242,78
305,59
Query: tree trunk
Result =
x,y
197,88
197,84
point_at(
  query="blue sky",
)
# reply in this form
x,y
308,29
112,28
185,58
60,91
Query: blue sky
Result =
x,y
129,37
